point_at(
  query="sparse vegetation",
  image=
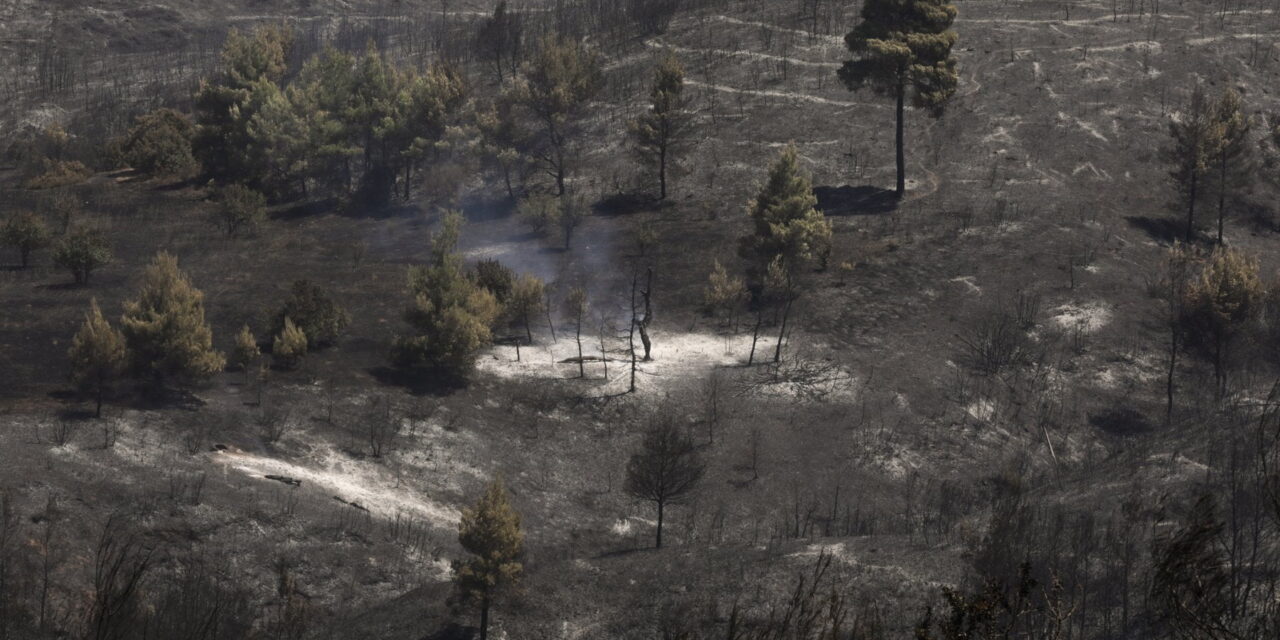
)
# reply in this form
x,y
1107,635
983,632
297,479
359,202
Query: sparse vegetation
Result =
x,y
946,412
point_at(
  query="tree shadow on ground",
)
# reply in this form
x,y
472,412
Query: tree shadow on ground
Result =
x,y
848,200
621,204
1120,421
304,209
1161,229
453,631
419,382
481,208
63,286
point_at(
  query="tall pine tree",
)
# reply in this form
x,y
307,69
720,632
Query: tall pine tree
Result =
x,y
490,532
903,47
557,83
1231,157
1194,140
659,132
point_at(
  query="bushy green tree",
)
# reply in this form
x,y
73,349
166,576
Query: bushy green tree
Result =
x,y
246,351
241,209
82,251
724,293
165,327
159,144
660,133
98,355
503,145
26,232
434,108
528,299
903,47
450,316
555,86
323,92
785,221
251,68
47,158
314,312
279,135
547,215
490,532
371,123
540,211
290,345
1218,305
498,278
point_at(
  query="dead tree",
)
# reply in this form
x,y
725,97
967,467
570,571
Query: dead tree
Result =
x,y
121,564
631,333
666,469
643,323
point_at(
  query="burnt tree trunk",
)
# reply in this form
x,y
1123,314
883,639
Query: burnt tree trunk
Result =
x,y
898,142
646,295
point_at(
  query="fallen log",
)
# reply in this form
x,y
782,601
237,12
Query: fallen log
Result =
x,y
285,479
356,505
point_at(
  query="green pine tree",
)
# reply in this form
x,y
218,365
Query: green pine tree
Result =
x,y
490,532
98,355
451,317
1194,138
251,68
1232,155
246,352
660,132
785,221
165,328
555,86
903,47
289,346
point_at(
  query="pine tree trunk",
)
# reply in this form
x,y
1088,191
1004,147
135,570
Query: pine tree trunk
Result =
x,y
528,332
582,370
550,326
1217,366
662,172
631,333
604,357
902,162
1191,206
647,296
1173,365
1222,195
97,411
484,617
755,335
782,333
